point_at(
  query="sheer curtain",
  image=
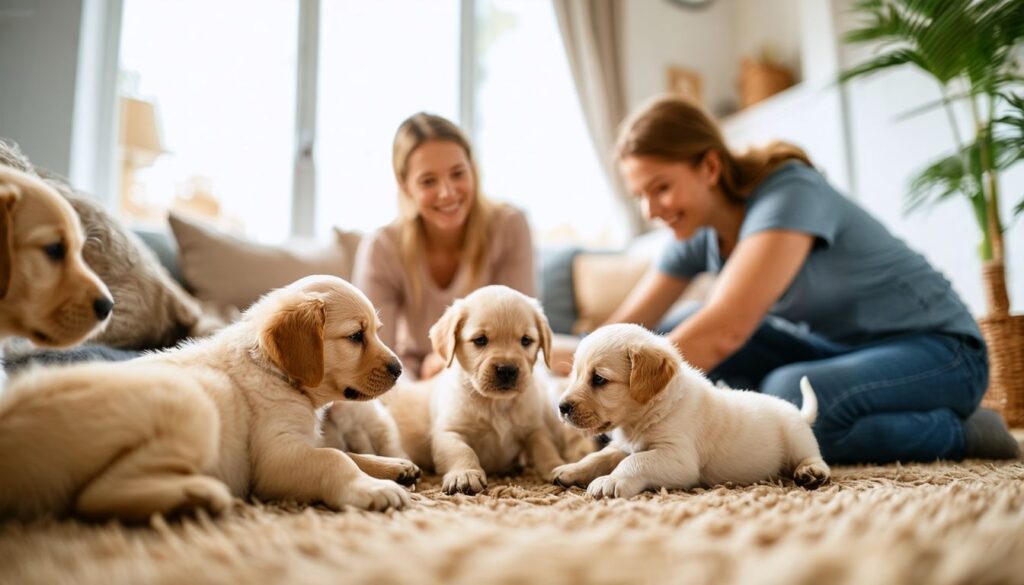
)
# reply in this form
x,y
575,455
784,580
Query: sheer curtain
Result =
x,y
592,36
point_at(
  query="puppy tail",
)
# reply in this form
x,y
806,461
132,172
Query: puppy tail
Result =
x,y
809,411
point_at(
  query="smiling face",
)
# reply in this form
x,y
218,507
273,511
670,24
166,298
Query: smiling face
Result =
x,y
495,334
440,181
47,292
322,332
617,371
681,194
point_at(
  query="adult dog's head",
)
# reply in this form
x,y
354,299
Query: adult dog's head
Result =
x,y
47,292
322,333
617,370
495,334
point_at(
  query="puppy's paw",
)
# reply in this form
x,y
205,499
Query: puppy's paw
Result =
x,y
395,469
464,481
608,486
409,473
205,492
812,473
376,495
572,474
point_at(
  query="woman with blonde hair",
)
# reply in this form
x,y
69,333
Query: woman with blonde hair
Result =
x,y
448,240
808,284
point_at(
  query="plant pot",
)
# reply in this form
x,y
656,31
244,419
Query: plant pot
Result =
x,y
1004,335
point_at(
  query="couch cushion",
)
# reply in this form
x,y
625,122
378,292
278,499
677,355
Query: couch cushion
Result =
x,y
555,280
229,271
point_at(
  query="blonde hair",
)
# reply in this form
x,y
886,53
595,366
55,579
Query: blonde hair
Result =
x,y
414,132
675,129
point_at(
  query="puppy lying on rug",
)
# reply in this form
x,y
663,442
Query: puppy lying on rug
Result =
x,y
673,427
485,412
153,311
47,292
191,427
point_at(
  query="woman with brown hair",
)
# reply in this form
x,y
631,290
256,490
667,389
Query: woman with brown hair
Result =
x,y
808,283
448,240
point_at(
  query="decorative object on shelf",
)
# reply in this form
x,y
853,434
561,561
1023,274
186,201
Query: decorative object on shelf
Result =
x,y
762,77
972,49
684,83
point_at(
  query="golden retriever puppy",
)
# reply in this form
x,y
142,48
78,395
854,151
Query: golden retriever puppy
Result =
x,y
47,293
368,433
485,411
230,415
673,428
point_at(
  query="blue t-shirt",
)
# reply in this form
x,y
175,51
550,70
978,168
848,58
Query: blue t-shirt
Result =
x,y
859,283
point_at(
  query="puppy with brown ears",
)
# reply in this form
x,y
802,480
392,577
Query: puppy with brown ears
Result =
x,y
47,292
485,411
231,415
673,428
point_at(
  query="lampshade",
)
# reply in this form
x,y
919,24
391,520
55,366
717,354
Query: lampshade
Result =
x,y
140,132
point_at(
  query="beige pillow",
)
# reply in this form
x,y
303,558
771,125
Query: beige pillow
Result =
x,y
600,283
229,271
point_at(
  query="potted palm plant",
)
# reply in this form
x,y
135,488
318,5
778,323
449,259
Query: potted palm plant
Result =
x,y
973,50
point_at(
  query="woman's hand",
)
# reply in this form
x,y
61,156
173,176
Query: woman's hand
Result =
x,y
432,364
562,349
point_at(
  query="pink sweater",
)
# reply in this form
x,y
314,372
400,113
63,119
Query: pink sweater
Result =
x,y
379,272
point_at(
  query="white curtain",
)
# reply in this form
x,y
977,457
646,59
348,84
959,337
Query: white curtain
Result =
x,y
592,36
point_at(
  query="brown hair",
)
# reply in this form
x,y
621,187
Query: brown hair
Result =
x,y
415,131
676,129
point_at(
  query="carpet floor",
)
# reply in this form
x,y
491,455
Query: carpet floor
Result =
x,y
935,523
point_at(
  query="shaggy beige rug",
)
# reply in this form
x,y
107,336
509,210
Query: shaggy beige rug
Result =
x,y
936,524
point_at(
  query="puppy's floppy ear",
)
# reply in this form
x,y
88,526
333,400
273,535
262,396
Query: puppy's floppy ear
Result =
x,y
544,330
294,341
9,195
445,333
651,369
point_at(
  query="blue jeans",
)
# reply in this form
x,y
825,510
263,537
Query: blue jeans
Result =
x,y
897,399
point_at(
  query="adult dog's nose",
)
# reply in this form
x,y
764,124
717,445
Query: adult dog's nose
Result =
x,y
565,408
506,374
395,368
102,307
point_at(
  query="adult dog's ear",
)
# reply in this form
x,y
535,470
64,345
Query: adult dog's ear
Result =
x,y
651,369
445,333
9,195
544,330
294,341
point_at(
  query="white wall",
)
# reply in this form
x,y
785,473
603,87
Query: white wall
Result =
x,y
658,35
38,61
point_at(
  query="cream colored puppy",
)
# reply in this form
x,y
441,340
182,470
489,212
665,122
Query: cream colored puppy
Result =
x,y
47,292
485,411
230,415
673,427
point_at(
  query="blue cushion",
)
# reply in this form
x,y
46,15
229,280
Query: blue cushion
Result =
x,y
555,282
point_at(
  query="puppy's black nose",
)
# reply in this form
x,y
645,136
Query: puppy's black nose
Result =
x,y
506,374
102,307
565,408
395,368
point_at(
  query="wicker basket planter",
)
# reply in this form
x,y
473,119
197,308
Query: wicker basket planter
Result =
x,y
1004,334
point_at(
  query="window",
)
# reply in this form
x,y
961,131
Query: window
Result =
x,y
217,80
535,152
380,62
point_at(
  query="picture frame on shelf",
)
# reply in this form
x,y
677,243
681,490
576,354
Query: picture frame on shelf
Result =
x,y
685,83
